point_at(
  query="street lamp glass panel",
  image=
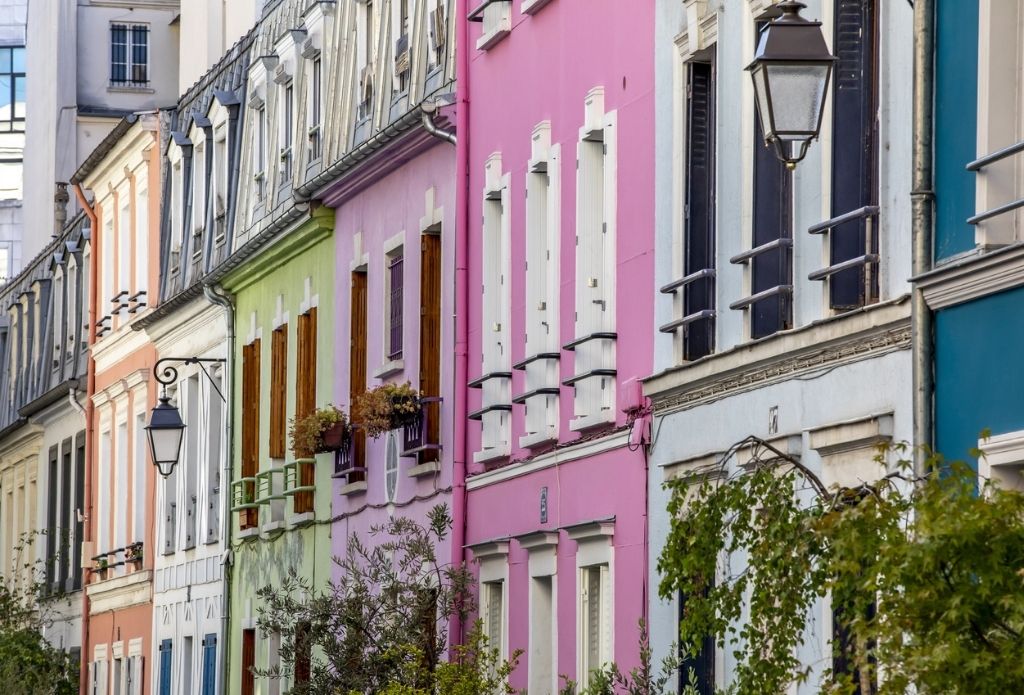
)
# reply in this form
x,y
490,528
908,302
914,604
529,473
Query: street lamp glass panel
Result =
x,y
165,430
797,98
763,102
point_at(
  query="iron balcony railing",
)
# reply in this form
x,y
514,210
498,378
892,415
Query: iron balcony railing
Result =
x,y
867,260
978,164
682,284
422,433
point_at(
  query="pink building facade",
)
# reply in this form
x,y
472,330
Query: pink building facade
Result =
x,y
560,246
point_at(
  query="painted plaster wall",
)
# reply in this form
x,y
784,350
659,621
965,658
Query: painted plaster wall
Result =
x,y
306,252
393,205
873,386
971,391
543,71
212,28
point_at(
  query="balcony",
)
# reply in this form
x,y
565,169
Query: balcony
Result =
x,y
350,460
422,434
266,490
243,494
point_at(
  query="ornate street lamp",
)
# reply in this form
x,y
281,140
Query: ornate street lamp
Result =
x,y
791,70
166,429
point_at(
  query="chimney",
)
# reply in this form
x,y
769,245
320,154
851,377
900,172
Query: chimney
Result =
x,y
60,208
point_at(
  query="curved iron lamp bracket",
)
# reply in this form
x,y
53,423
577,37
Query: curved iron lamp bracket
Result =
x,y
168,374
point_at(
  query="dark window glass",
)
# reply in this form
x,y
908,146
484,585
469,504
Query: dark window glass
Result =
x,y
395,308
129,55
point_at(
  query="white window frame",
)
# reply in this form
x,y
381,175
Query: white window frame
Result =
x,y
542,549
177,222
121,443
492,558
393,248
128,82
596,257
141,237
57,319
219,190
198,224
543,231
495,24
124,241
108,268
594,551
495,425
140,467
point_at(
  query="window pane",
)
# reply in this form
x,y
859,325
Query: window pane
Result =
x,y
5,59
19,59
5,95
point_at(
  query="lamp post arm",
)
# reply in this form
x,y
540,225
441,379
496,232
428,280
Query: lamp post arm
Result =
x,y
168,374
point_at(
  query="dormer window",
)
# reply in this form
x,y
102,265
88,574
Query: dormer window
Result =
x,y
315,106
177,221
402,52
199,189
219,194
287,112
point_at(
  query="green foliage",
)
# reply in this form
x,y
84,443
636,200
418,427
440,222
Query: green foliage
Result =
x,y
382,626
27,660
926,575
386,407
642,680
307,433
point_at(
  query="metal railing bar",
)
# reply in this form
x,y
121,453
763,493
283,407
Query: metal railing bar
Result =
x,y
686,280
571,381
845,265
543,391
600,335
519,366
477,414
781,242
995,212
765,294
479,381
866,211
477,15
983,162
673,326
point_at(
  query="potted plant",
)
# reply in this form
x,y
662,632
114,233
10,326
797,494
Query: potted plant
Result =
x,y
386,407
133,553
100,564
321,431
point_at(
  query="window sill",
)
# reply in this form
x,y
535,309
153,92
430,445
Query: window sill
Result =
x,y
429,468
532,6
271,526
251,532
301,519
490,455
487,41
528,441
389,369
118,89
356,488
589,421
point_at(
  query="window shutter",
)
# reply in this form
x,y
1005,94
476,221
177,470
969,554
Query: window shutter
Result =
x,y
66,521
303,653
248,681
51,522
853,144
209,665
250,423
699,242
357,364
79,504
278,390
772,220
215,457
305,399
166,662
430,335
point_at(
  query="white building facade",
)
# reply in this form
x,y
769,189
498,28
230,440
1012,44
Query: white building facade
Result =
x,y
761,332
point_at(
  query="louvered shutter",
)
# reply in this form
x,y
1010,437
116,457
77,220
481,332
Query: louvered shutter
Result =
x,y
357,365
772,220
215,458
853,145
52,503
79,504
278,391
593,617
209,686
248,681
430,335
166,661
66,516
699,242
494,614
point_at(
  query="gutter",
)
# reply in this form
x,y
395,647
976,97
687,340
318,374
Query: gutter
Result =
x,y
257,243
216,295
922,196
461,357
90,390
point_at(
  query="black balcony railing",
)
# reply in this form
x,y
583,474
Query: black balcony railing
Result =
x,y
422,434
350,457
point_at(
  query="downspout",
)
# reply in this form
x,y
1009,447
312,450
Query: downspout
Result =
x,y
90,390
216,295
922,198
429,108
459,503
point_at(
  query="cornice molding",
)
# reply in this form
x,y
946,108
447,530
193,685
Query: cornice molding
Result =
x,y
974,277
120,592
865,334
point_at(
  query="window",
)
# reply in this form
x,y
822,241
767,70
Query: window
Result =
x,y
141,466
493,610
129,55
770,260
141,240
278,391
696,290
595,616
209,665
315,98
395,304
186,665
121,481
287,129
402,48
57,316
391,469
219,196
357,366
249,518
74,518
166,665
594,344
133,675
215,456
170,488
438,34
542,291
496,378
12,89
124,248
430,337
103,493
261,154
177,222
854,155
366,75
52,559
305,398
5,262
109,269
191,460
542,643
198,192
702,663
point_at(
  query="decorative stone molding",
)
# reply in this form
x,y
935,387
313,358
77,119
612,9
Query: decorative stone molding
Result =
x,y
701,29
542,547
593,541
864,334
1003,459
849,450
972,277
750,454
492,557
708,463
120,592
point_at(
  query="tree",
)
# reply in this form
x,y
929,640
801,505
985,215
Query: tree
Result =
x,y
382,626
925,575
26,658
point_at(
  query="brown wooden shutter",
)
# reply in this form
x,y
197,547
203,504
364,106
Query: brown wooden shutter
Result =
x,y
248,662
250,425
430,335
303,653
357,365
305,400
278,391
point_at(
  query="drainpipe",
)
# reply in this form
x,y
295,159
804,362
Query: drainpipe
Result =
x,y
90,389
429,108
455,627
216,295
922,198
